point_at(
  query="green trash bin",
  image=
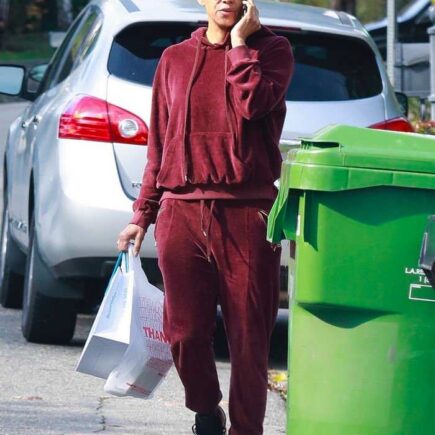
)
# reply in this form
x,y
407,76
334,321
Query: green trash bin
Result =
x,y
362,312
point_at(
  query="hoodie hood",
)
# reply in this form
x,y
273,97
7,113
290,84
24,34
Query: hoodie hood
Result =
x,y
199,36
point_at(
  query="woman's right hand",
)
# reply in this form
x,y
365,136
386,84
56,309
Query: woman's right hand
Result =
x,y
131,232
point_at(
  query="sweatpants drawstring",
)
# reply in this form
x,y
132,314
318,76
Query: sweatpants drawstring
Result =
x,y
206,229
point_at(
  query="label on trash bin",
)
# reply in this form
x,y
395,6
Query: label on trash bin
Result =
x,y
419,292
418,272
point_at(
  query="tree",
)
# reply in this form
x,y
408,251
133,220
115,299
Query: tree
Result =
x,y
4,15
49,15
64,14
78,5
344,5
17,16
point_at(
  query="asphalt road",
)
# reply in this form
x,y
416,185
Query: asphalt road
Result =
x,y
40,392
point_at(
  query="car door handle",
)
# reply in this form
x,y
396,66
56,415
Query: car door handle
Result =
x,y
36,119
25,124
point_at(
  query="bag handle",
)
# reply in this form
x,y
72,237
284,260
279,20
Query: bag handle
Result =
x,y
122,262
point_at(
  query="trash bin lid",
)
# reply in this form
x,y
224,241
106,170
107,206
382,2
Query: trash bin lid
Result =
x,y
341,157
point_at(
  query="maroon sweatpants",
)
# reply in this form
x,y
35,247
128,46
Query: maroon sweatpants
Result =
x,y
210,252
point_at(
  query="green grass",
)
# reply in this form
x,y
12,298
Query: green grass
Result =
x,y
26,47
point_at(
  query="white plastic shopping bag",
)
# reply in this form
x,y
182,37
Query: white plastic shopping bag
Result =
x,y
147,359
110,333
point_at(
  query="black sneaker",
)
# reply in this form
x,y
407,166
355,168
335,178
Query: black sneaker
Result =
x,y
210,424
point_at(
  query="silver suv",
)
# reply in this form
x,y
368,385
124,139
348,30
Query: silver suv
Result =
x,y
74,159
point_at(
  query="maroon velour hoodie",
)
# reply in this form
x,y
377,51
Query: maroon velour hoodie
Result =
x,y
216,119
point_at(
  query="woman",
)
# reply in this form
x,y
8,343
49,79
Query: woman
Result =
x,y
218,110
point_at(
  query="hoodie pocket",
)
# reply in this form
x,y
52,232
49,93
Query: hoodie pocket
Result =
x,y
171,168
212,158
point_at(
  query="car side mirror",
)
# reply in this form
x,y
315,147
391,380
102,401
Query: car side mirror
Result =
x,y
37,73
12,79
17,81
403,102
35,77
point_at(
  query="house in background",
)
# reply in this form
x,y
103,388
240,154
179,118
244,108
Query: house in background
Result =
x,y
413,23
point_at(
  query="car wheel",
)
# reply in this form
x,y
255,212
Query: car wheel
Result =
x,y
45,319
11,260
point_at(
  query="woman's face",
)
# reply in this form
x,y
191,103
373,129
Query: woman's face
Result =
x,y
224,13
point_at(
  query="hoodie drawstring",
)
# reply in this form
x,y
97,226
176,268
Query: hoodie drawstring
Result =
x,y
186,108
205,227
225,85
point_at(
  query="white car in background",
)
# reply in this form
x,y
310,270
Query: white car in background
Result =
x,y
74,159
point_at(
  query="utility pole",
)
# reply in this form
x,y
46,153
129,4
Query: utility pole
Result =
x,y
391,38
431,32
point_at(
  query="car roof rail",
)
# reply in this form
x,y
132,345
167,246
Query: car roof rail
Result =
x,y
344,18
130,5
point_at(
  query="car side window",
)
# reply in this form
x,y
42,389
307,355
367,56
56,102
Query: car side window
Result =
x,y
81,45
53,68
78,43
89,43
332,67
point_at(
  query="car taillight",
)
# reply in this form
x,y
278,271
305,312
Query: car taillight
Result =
x,y
395,124
90,118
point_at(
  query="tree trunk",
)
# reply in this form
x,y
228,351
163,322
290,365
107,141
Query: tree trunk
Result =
x,y
4,15
16,16
64,14
344,5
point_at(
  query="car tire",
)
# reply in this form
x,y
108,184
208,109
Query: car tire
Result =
x,y
12,260
45,319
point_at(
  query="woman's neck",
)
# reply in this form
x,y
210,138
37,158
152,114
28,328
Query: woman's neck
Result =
x,y
215,34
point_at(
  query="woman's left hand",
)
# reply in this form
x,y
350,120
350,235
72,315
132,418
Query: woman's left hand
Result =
x,y
247,25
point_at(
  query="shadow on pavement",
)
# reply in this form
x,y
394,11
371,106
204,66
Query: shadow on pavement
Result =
x,y
278,348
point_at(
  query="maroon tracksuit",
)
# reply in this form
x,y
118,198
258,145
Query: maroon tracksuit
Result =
x,y
216,119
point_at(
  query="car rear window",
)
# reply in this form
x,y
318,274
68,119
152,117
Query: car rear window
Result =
x,y
328,67
332,68
136,51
